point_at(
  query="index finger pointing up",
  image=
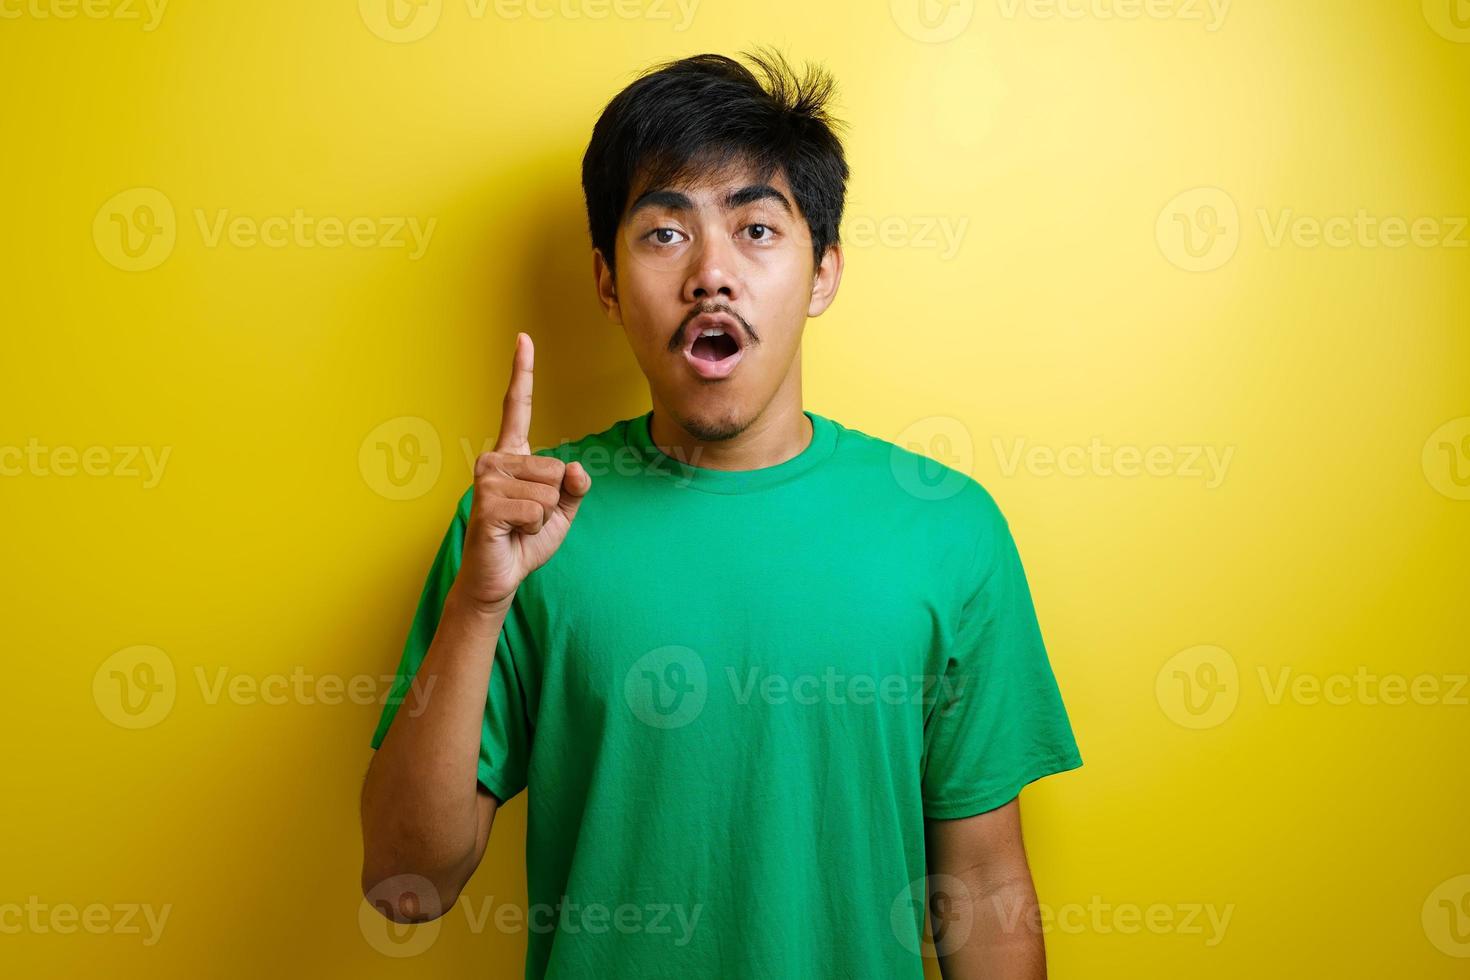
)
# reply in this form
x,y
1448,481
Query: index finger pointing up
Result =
x,y
515,414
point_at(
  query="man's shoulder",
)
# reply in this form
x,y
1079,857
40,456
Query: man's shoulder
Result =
x,y
925,468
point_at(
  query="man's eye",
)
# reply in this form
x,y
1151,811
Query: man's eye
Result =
x,y
766,230
658,235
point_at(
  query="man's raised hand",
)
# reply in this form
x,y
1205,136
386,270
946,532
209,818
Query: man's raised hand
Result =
x,y
523,503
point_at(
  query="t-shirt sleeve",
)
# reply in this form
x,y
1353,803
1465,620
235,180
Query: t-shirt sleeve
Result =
x,y
998,721
505,735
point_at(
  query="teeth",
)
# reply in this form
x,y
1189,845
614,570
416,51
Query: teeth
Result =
x,y
713,332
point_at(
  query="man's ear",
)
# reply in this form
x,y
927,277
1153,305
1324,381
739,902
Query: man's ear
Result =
x,y
825,281
607,287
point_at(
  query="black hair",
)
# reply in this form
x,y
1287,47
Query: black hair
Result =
x,y
689,118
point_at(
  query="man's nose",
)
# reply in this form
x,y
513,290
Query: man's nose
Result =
x,y
713,273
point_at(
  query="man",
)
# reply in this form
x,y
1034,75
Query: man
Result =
x,y
766,678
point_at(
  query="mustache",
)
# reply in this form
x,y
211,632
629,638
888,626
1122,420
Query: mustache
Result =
x,y
676,342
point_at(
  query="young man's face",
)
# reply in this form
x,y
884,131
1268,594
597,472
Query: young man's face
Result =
x,y
729,254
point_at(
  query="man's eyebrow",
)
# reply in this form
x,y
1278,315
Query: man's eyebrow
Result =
x,y
675,201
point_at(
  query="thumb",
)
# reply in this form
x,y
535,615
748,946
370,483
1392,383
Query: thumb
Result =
x,y
575,483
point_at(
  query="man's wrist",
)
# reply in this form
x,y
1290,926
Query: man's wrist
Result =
x,y
476,611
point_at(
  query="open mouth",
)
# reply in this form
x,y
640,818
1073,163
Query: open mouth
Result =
x,y
714,345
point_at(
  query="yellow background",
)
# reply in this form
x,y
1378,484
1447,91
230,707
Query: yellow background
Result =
x,y
1335,542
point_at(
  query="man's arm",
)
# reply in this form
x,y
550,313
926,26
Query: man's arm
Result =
x,y
425,819
424,816
983,904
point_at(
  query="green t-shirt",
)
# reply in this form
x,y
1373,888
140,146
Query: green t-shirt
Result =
x,y
734,697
